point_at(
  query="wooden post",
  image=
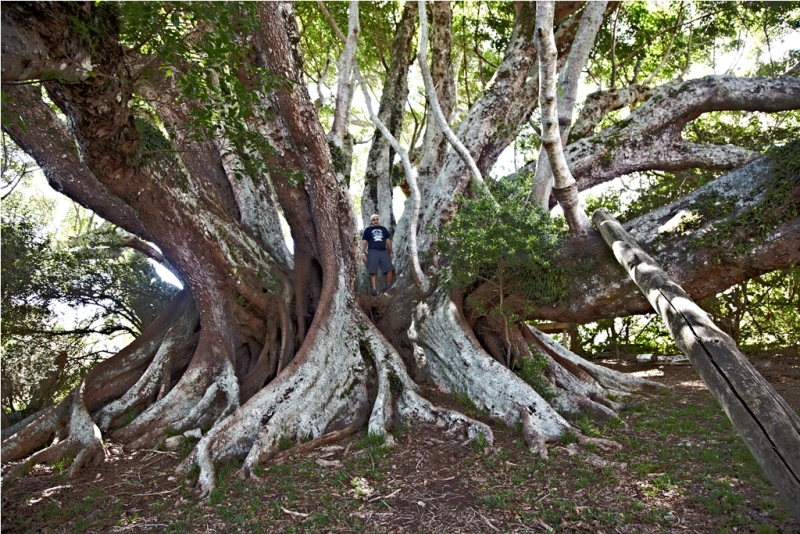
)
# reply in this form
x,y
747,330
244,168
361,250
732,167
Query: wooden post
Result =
x,y
767,425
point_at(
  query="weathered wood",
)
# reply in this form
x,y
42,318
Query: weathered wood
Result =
x,y
768,426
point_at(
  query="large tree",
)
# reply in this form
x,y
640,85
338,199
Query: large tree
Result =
x,y
191,127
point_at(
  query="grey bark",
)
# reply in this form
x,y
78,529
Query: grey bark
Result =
x,y
650,137
567,92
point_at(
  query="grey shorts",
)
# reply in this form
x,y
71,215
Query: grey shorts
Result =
x,y
379,258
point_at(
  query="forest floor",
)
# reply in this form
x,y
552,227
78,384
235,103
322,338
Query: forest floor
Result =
x,y
681,469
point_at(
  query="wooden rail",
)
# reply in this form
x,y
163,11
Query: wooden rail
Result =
x,y
767,425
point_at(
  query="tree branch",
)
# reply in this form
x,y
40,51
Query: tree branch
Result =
x,y
53,149
419,277
345,64
430,90
568,90
566,189
702,270
639,142
600,103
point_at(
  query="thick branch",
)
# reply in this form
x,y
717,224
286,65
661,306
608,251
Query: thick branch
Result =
x,y
568,90
701,270
26,56
435,145
34,127
343,88
377,194
639,142
481,125
433,100
599,104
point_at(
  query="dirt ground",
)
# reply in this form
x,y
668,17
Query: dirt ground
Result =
x,y
680,468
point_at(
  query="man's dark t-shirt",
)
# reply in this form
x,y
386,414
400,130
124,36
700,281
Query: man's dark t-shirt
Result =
x,y
376,237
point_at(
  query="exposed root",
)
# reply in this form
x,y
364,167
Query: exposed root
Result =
x,y
533,438
84,442
456,362
19,425
151,383
608,378
308,446
192,402
393,378
37,431
605,444
323,389
569,402
325,392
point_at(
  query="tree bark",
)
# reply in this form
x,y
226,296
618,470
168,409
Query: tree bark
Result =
x,y
650,138
265,345
701,271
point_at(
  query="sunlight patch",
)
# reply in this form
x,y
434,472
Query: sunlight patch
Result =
x,y
649,372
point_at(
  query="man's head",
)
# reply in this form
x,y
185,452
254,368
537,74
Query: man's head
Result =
x,y
374,220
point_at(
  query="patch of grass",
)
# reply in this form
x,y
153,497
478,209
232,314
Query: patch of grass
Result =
x,y
569,436
60,467
81,525
285,442
465,401
497,500
479,444
585,423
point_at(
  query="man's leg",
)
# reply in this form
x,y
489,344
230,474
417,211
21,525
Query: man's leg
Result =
x,y
390,278
372,266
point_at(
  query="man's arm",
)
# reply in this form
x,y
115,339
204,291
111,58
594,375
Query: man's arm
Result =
x,y
389,247
364,250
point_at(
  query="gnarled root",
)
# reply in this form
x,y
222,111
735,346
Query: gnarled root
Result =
x,y
207,391
84,442
533,439
393,379
70,420
38,431
202,396
326,390
325,387
456,363
609,379
155,381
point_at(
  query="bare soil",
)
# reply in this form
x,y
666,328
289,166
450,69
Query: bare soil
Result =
x,y
680,469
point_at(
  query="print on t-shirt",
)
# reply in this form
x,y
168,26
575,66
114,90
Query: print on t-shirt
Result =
x,y
377,235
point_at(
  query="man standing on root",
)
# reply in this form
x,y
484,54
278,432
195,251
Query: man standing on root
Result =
x,y
378,242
